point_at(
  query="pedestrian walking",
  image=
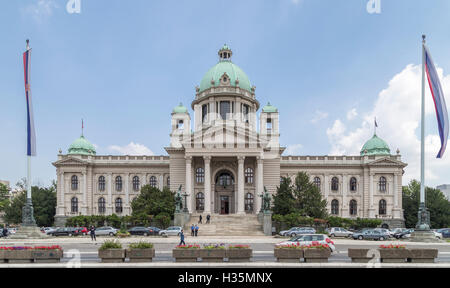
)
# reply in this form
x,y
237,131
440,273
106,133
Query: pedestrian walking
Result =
x,y
208,217
200,220
196,230
182,238
192,230
92,230
5,231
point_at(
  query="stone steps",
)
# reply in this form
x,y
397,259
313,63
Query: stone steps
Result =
x,y
227,225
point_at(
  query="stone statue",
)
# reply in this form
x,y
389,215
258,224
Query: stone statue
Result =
x,y
178,201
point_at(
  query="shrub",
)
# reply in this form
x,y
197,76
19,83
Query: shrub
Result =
x,y
239,247
163,220
213,246
141,245
110,244
192,246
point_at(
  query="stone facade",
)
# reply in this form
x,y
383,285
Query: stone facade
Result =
x,y
225,162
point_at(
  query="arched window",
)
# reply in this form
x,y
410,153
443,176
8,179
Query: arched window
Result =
x,y
101,183
136,183
74,182
382,207
74,205
353,208
118,205
200,175
200,201
382,184
335,184
317,182
101,205
118,183
335,207
153,181
168,181
248,175
353,184
249,199
225,179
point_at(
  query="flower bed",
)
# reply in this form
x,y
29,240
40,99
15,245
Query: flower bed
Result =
x,y
27,254
140,252
186,253
111,252
291,253
393,253
213,253
239,253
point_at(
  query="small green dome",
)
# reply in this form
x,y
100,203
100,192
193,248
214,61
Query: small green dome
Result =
x,y
225,66
269,108
375,146
82,146
180,109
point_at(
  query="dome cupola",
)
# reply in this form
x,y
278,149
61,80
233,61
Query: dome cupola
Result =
x,y
375,146
81,146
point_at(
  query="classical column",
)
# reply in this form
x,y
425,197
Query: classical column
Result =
x,y
344,194
188,188
127,194
84,207
62,203
259,184
240,194
371,195
395,191
161,182
109,210
207,160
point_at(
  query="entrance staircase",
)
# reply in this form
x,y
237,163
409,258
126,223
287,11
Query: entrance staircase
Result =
x,y
226,225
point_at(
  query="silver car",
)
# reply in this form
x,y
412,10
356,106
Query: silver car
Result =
x,y
171,231
104,231
339,232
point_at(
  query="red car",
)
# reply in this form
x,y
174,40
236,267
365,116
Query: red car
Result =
x,y
83,230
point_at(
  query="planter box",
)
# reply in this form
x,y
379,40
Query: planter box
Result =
x,y
18,256
393,255
2,256
47,256
186,255
316,255
422,255
141,255
360,255
212,255
112,255
239,255
289,255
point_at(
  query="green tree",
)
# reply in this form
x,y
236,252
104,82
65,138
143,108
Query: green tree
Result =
x,y
308,200
152,201
44,204
283,200
4,197
435,201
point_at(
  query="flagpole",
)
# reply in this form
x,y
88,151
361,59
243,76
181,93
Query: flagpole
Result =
x,y
28,159
422,136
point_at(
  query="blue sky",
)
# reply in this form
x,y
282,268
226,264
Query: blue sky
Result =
x,y
328,66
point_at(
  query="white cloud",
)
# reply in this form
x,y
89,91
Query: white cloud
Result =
x,y
131,149
293,149
319,115
40,9
352,114
397,109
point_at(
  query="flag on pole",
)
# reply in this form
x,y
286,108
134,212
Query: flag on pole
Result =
x,y
31,136
376,125
439,101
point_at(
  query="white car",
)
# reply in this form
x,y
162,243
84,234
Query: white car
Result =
x,y
104,231
49,230
339,232
171,231
437,234
308,239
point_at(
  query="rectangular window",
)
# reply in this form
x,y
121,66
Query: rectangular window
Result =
x,y
269,125
205,113
180,124
224,109
245,113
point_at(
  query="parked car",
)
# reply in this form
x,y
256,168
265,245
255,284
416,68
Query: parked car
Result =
x,y
396,230
104,231
437,234
308,239
12,231
66,231
154,230
47,230
83,230
138,230
403,234
287,232
339,232
171,231
445,232
384,231
371,234
301,230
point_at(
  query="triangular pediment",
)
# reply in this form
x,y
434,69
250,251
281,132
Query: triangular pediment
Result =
x,y
70,161
386,162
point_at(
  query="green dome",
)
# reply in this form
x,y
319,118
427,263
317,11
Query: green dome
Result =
x,y
225,66
375,146
82,146
269,108
180,109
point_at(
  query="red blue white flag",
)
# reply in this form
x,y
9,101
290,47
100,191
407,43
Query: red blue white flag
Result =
x,y
439,101
31,136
